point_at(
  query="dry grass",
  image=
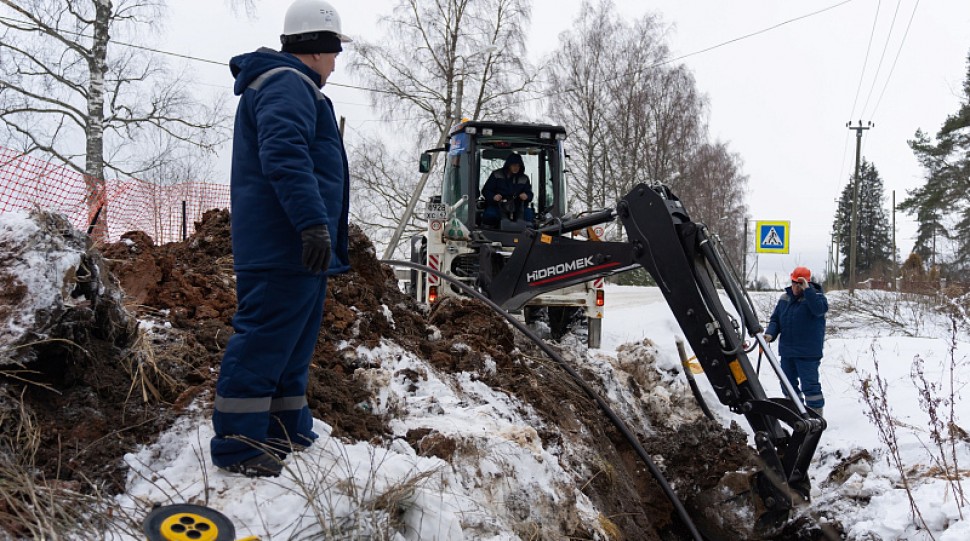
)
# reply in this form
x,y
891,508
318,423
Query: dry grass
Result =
x,y
32,507
612,531
146,375
938,397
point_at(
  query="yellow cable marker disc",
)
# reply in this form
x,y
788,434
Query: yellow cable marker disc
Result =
x,y
189,527
187,522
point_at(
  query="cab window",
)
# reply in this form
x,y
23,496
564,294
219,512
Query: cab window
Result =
x,y
541,166
457,169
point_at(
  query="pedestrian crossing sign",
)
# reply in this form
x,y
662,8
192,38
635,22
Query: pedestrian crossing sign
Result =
x,y
772,237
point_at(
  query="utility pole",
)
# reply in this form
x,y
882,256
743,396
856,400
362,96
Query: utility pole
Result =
x,y
830,263
895,261
406,217
744,256
391,246
459,89
838,266
853,229
459,94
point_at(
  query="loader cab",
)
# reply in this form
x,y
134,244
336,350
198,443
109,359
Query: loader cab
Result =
x,y
477,148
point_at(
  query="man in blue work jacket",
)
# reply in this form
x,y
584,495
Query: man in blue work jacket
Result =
x,y
290,196
799,322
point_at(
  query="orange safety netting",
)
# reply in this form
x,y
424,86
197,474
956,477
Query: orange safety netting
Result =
x,y
113,206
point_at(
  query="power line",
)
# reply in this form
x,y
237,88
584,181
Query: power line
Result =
x,y
176,55
366,89
865,63
885,47
862,75
845,153
707,49
122,43
893,67
762,31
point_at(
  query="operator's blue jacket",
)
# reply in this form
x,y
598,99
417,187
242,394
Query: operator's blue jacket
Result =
x,y
289,167
799,322
500,183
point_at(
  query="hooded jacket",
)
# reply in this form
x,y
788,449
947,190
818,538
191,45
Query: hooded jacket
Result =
x,y
503,182
799,322
289,166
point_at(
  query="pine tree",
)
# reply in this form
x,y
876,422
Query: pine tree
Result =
x,y
942,205
874,257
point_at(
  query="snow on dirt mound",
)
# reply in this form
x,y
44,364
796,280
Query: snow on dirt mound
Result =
x,y
53,288
437,424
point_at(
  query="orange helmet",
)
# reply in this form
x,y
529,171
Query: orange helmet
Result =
x,y
801,272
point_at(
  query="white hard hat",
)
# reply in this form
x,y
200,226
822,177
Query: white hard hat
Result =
x,y
310,16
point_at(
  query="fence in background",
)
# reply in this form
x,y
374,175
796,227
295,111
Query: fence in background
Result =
x,y
164,212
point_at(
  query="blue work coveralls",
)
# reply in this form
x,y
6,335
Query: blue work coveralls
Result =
x,y
289,172
799,325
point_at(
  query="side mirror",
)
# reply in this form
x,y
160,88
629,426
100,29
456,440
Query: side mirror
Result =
x,y
424,165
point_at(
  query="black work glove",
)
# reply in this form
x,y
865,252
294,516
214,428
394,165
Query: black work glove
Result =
x,y
316,248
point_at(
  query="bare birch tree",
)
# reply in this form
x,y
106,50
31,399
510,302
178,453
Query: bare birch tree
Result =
x,y
382,170
65,85
713,191
655,110
431,49
635,117
578,98
631,116
674,111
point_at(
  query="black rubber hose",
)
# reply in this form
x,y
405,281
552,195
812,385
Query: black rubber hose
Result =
x,y
694,389
614,418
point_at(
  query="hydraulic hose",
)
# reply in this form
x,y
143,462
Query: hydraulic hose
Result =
x,y
613,417
685,363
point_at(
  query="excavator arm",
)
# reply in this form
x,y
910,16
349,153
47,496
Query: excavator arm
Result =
x,y
685,263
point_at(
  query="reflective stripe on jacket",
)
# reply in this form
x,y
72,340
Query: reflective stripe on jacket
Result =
x,y
289,167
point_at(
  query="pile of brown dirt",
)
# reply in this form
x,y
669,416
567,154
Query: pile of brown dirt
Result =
x,y
102,406
65,383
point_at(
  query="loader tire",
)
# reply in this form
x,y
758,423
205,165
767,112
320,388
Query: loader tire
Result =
x,y
559,319
567,319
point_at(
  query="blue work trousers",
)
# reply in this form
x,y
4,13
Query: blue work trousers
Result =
x,y
802,373
261,392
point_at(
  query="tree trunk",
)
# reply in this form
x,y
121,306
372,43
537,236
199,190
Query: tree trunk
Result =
x,y
96,196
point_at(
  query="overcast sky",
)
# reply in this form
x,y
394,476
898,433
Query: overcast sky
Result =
x,y
780,98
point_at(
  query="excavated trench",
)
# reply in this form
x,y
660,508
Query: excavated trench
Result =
x,y
112,388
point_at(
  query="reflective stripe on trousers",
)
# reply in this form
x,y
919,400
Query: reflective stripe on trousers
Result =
x,y
257,405
802,373
261,392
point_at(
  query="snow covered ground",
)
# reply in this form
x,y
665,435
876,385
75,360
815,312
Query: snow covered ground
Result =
x,y
337,484
871,503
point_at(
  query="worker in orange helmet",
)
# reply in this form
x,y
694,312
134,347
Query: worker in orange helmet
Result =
x,y
798,321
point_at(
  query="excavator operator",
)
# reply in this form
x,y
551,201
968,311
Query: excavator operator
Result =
x,y
507,193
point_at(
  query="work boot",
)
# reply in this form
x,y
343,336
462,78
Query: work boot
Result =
x,y
262,465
